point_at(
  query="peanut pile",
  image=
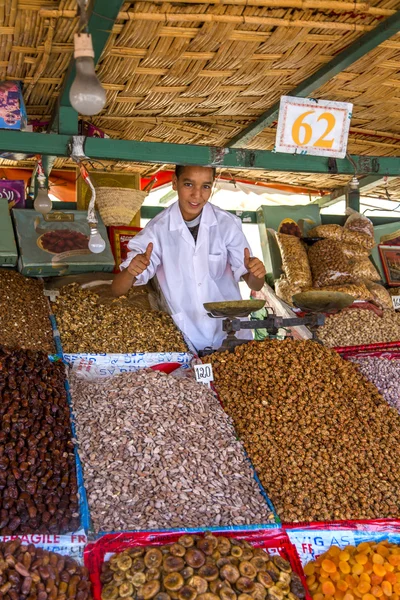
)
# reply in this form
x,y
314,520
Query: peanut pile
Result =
x,y
368,571
202,568
86,325
159,452
358,327
323,441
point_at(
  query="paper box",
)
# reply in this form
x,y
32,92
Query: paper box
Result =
x,y
8,247
13,190
120,236
12,106
58,244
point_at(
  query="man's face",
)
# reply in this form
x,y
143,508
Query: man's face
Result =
x,y
194,187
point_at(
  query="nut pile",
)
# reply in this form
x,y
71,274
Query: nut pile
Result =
x,y
86,325
159,452
206,568
24,313
357,327
323,441
34,573
384,373
368,571
37,464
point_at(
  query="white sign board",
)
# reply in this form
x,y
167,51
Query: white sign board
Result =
x,y
318,127
204,373
396,302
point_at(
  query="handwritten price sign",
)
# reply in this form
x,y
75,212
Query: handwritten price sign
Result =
x,y
307,126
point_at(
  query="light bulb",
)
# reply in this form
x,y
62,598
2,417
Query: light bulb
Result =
x,y
86,94
42,202
96,242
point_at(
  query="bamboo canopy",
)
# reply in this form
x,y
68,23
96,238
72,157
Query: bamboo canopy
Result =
x,y
200,71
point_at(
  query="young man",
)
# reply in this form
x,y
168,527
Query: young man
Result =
x,y
199,254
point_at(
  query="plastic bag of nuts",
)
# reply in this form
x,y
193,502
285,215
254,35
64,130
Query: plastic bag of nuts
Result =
x,y
380,295
329,231
354,250
285,290
225,565
362,268
359,230
329,266
294,260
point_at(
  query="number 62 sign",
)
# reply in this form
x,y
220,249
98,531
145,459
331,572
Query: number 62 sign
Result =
x,y
307,126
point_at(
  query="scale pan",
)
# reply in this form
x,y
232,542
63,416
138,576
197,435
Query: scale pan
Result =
x,y
320,301
234,308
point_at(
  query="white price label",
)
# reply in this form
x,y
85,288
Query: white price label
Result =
x,y
318,127
204,374
396,302
52,294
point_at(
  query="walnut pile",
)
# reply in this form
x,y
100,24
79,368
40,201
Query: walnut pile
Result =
x,y
323,441
86,325
357,327
24,313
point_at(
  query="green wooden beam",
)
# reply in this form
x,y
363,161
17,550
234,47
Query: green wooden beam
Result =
x,y
342,61
103,14
227,158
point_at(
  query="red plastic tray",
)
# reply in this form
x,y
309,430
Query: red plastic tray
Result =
x,y
392,349
274,539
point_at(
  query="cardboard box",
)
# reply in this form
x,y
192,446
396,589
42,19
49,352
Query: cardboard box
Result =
x,y
13,190
12,106
57,244
119,237
8,247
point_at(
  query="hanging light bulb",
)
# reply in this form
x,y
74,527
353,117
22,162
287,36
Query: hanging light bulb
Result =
x,y
42,202
86,94
96,242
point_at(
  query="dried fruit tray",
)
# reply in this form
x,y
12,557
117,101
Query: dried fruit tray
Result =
x,y
114,364
385,350
313,539
275,541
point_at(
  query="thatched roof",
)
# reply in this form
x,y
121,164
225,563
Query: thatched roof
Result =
x,y
199,72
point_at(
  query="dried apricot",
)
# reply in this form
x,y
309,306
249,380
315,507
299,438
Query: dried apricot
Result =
x,y
375,579
368,597
348,596
364,547
344,555
376,591
310,580
379,570
342,585
368,567
319,596
363,587
329,566
357,569
334,551
361,559
387,588
388,567
383,550
365,577
328,589
309,569
351,581
396,587
391,577
377,559
394,559
344,567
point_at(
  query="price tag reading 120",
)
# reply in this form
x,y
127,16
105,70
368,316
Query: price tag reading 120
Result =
x,y
204,374
318,127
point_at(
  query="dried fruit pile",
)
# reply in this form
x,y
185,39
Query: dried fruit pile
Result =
x,y
384,373
34,573
37,463
158,451
86,325
368,571
208,568
323,441
357,327
24,313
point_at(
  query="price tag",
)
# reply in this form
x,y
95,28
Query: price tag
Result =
x,y
318,127
52,294
204,374
396,302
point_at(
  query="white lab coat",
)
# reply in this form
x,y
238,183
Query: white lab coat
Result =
x,y
190,273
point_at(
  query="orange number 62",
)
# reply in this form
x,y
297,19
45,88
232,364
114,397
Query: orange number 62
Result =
x,y
300,126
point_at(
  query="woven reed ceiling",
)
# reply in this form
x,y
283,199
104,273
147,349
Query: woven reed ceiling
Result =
x,y
199,72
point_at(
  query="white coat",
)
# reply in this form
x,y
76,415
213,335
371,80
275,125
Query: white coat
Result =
x,y
190,273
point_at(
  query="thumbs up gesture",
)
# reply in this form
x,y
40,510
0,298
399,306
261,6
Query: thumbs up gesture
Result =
x,y
253,265
140,262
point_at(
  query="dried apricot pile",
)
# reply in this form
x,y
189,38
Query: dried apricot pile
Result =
x,y
368,571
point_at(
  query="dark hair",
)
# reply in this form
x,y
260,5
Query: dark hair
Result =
x,y
179,170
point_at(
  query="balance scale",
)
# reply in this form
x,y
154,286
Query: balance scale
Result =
x,y
314,303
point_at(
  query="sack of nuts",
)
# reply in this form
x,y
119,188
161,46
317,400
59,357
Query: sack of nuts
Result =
x,y
359,230
362,268
294,260
329,231
329,266
285,290
380,295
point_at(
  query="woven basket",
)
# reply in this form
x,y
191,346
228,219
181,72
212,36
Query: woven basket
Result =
x,y
118,206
